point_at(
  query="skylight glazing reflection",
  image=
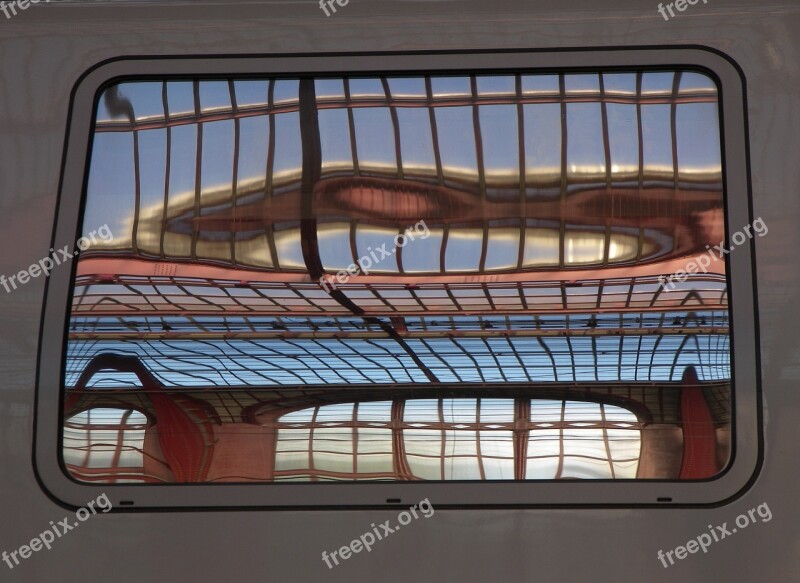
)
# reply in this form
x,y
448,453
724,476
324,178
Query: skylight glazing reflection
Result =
x,y
458,439
365,130
269,311
106,439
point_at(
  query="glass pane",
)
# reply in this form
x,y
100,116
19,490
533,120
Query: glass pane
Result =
x,y
214,96
542,143
337,153
375,139
312,282
416,143
457,142
500,142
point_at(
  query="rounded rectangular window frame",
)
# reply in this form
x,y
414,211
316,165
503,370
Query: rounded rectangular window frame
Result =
x,y
746,450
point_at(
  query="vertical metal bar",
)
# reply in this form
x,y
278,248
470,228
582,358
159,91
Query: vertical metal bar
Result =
x,y
562,224
398,149
167,171
640,176
235,171
443,448
523,178
572,358
399,255
270,169
481,469
443,249
353,242
476,123
311,171
351,125
605,440
312,426
521,437
673,124
434,131
137,183
560,468
354,439
198,173
607,154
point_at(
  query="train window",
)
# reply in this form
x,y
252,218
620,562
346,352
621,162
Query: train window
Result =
x,y
448,276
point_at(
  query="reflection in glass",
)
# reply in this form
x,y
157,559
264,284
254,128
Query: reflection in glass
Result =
x,y
214,96
374,136
106,445
416,144
251,93
336,150
459,439
397,278
180,98
457,142
657,153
